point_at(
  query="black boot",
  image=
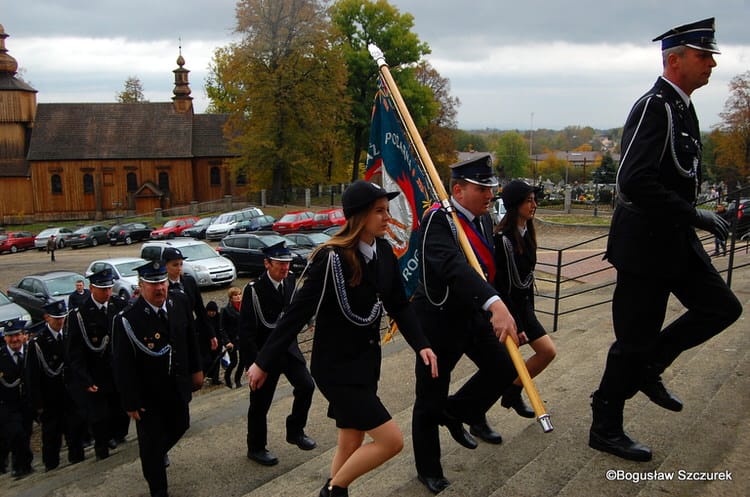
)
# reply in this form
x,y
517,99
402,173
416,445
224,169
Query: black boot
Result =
x,y
329,490
606,433
655,390
512,399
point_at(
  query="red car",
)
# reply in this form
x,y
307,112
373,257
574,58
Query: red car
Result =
x,y
329,217
173,227
294,221
15,241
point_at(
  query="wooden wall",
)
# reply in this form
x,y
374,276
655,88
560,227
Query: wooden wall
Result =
x,y
16,200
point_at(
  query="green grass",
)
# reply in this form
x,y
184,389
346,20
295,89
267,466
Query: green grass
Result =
x,y
586,219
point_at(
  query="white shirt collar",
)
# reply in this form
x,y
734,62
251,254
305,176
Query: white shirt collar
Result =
x,y
275,283
368,251
523,230
684,96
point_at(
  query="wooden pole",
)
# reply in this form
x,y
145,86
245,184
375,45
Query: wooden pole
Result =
x,y
411,129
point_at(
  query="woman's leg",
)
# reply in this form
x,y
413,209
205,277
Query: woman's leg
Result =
x,y
544,351
353,459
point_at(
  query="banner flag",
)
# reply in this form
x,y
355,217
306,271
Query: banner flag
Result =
x,y
392,163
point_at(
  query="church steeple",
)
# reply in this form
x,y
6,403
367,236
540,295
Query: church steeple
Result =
x,y
182,100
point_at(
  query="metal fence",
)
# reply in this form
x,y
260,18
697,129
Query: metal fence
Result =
x,y
575,278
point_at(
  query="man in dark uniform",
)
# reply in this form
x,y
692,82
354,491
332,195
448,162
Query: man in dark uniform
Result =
x,y
461,313
181,282
79,296
45,380
653,244
156,367
262,303
15,411
90,363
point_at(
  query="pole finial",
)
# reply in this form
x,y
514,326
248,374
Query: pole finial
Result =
x,y
377,54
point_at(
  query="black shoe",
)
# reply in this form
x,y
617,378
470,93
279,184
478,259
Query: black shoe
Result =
x,y
112,444
512,400
215,382
21,472
620,445
101,453
434,485
659,395
51,467
167,462
459,433
483,431
302,441
263,457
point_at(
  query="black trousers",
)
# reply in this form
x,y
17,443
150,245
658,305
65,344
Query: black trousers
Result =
x,y
260,402
61,418
15,435
638,311
107,418
159,429
495,372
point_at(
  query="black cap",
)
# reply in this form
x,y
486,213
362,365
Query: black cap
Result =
x,y
102,279
515,192
56,309
153,272
477,170
698,35
278,252
171,254
361,194
12,326
212,306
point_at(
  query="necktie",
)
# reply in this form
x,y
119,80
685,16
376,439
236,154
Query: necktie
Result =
x,y
163,316
19,358
281,289
478,224
175,285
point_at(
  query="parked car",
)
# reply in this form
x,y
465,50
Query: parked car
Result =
x,y
128,233
260,223
198,230
202,262
253,211
332,230
307,240
245,250
62,235
294,221
224,224
89,236
329,217
15,241
743,218
173,227
35,291
497,211
10,310
126,277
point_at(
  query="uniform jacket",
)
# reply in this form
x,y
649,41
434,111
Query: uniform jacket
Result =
x,y
517,299
447,282
345,353
12,396
45,371
89,359
253,332
659,173
203,325
141,378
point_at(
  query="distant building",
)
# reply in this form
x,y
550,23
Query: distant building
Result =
x,y
94,160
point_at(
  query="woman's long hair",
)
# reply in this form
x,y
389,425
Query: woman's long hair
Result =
x,y
509,224
347,241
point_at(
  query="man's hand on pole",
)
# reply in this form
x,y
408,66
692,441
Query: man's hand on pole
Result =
x,y
503,323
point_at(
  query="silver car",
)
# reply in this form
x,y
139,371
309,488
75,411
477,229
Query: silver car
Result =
x,y
202,262
61,236
10,310
126,277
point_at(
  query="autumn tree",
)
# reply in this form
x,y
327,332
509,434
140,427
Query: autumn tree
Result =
x,y
132,93
733,142
512,153
359,23
438,134
284,87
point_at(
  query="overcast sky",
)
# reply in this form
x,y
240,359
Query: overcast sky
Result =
x,y
512,64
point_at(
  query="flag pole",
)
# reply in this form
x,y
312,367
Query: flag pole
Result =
x,y
437,183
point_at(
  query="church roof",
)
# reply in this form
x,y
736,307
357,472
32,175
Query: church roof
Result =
x,y
208,136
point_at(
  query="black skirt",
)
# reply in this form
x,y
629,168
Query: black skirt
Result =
x,y
356,407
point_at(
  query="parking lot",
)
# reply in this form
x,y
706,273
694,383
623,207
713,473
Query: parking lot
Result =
x,y
13,267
